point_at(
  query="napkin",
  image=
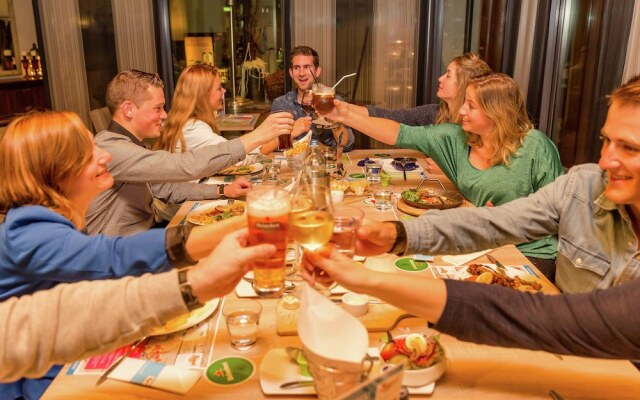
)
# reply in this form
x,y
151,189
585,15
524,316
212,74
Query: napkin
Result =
x,y
462,259
328,331
155,375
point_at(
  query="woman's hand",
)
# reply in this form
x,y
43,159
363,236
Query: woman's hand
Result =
x,y
341,112
276,124
238,188
221,271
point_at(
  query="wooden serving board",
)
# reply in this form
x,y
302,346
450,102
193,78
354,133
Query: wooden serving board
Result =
x,y
379,318
416,212
409,209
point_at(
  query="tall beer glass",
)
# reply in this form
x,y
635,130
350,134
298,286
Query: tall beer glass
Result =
x,y
268,212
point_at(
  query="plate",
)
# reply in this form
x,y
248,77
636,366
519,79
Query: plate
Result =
x,y
432,198
277,368
187,320
242,170
511,272
208,213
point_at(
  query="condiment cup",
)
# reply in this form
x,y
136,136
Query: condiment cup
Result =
x,y
355,304
337,196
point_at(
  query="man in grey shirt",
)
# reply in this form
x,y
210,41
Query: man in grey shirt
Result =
x,y
136,102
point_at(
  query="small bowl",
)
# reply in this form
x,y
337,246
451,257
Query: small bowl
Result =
x,y
355,304
418,377
337,196
410,163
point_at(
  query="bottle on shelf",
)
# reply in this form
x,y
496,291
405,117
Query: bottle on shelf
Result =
x,y
39,73
25,64
31,72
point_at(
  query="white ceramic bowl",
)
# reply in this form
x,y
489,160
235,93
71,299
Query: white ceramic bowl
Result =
x,y
337,196
355,304
420,377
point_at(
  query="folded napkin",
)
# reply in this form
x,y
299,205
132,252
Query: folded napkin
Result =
x,y
328,331
156,375
462,259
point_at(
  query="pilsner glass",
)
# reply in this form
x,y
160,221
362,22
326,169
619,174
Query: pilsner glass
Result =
x,y
268,215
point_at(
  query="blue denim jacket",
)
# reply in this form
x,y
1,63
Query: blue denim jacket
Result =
x,y
597,246
289,102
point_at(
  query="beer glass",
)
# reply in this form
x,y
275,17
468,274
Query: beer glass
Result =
x,y
284,141
323,103
268,215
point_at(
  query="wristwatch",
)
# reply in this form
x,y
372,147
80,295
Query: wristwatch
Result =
x,y
400,245
221,190
190,300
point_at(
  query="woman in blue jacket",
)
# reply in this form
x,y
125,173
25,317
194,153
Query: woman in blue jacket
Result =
x,y
50,171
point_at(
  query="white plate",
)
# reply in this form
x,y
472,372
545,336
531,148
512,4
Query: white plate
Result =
x,y
255,168
188,320
277,368
208,206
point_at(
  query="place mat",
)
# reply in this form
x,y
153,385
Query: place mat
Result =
x,y
380,318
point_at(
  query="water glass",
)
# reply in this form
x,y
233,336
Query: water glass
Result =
x,y
242,318
382,196
346,221
373,171
329,154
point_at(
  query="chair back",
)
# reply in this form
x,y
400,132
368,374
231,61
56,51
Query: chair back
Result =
x,y
100,118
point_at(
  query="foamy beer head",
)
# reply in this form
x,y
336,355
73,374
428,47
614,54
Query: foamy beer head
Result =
x,y
268,202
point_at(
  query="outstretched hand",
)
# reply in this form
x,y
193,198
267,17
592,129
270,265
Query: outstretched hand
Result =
x,y
375,237
238,188
221,271
340,268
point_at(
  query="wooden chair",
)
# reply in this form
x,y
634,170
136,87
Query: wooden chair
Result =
x,y
100,118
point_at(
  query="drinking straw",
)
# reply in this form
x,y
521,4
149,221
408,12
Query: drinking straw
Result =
x,y
346,76
314,75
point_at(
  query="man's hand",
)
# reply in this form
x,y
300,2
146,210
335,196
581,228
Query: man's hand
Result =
x,y
274,125
339,267
221,271
300,126
374,237
238,188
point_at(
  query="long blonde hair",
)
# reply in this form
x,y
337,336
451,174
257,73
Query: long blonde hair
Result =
x,y
468,66
190,101
40,153
501,100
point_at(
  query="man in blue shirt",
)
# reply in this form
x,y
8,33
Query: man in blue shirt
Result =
x,y
305,64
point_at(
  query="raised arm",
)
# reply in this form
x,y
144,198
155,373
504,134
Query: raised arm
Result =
x,y
380,129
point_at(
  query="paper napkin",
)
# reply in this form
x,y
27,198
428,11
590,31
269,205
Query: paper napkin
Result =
x,y
461,259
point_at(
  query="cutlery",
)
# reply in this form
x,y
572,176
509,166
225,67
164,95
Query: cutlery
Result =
x,y
196,204
113,366
296,384
371,301
403,163
501,268
555,395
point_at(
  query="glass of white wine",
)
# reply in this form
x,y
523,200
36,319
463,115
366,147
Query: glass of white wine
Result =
x,y
311,223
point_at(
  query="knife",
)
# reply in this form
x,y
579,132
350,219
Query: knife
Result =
x,y
113,366
501,268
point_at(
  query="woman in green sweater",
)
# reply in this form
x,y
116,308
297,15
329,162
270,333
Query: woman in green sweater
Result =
x,y
493,157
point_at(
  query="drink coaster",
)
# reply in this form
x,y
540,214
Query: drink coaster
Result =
x,y
230,371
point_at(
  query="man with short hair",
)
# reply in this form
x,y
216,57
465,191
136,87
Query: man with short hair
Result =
x,y
136,102
305,64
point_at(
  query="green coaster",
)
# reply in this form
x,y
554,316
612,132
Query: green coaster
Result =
x,y
357,175
410,265
230,371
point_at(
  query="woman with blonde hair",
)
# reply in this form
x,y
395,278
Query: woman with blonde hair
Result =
x,y
50,171
451,89
493,157
191,121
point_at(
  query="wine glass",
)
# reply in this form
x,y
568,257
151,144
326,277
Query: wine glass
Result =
x,y
311,223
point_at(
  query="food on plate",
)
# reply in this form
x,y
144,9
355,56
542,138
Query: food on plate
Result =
x,y
429,198
358,186
217,213
238,170
483,274
339,184
299,147
413,351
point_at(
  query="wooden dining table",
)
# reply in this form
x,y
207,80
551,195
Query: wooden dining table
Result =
x,y
474,371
